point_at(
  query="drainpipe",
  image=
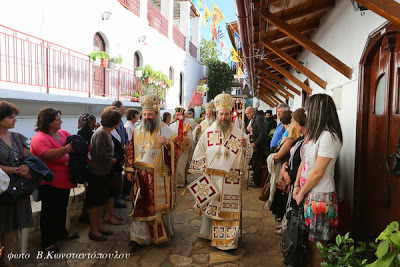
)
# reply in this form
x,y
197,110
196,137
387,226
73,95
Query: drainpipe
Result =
x,y
245,21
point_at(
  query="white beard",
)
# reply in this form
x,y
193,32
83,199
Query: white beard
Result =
x,y
210,121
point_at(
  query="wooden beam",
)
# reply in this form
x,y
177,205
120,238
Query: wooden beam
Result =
x,y
279,90
309,12
268,97
272,76
282,91
302,29
387,9
273,95
288,75
295,63
308,44
263,98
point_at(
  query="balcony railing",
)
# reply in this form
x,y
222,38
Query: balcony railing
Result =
x,y
156,20
27,60
179,38
192,50
132,5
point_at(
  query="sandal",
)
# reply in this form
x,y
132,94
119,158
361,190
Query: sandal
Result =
x,y
113,222
72,236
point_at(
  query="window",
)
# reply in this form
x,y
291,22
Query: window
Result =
x,y
137,60
380,96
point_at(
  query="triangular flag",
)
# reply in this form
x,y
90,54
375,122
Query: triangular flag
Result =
x,y
234,55
214,31
222,45
239,72
218,16
238,44
206,16
244,83
220,33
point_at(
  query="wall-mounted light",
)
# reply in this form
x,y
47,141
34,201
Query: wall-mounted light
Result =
x,y
357,6
142,39
106,15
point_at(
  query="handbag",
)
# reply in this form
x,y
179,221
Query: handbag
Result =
x,y
281,185
265,191
295,236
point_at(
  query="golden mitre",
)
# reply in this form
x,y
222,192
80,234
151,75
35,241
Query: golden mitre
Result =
x,y
149,102
224,101
209,106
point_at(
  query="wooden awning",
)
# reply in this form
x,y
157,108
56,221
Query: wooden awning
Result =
x,y
275,32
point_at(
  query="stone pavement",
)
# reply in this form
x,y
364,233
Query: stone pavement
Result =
x,y
259,246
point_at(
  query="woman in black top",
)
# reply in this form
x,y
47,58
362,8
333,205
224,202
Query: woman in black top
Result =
x,y
86,125
292,161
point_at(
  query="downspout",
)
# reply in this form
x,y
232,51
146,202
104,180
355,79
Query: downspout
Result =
x,y
245,25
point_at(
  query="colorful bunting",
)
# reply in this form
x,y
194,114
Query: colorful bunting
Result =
x,y
234,55
239,73
220,33
218,16
244,83
207,16
238,43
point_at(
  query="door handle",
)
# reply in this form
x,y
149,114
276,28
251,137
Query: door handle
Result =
x,y
396,161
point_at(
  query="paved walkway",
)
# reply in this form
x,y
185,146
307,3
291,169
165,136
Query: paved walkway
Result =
x,y
258,247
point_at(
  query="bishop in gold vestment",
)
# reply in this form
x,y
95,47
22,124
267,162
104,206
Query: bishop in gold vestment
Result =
x,y
153,193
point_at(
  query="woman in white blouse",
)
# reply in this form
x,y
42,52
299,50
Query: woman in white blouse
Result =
x,y
315,182
132,115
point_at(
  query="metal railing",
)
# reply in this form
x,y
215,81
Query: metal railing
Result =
x,y
132,5
179,38
192,50
27,60
156,20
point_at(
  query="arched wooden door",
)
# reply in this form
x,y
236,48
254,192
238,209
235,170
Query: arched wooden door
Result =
x,y
99,87
377,193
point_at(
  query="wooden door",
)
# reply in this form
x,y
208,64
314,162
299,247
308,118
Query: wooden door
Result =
x,y
377,201
98,71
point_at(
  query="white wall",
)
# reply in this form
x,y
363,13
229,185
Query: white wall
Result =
x,y
73,23
343,32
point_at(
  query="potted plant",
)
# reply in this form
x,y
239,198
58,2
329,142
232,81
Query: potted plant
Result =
x,y
104,58
93,57
115,63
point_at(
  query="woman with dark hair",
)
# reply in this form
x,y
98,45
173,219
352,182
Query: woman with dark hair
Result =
x,y
132,115
167,118
102,151
86,125
315,182
49,144
16,215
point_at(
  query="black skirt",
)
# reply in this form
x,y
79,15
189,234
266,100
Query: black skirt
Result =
x,y
97,191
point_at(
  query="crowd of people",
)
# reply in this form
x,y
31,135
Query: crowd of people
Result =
x,y
156,151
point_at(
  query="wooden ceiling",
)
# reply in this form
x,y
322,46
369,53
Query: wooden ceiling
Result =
x,y
277,31
282,29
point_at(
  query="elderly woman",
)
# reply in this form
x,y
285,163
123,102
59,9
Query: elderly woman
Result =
x,y
17,215
315,182
99,169
49,144
86,125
